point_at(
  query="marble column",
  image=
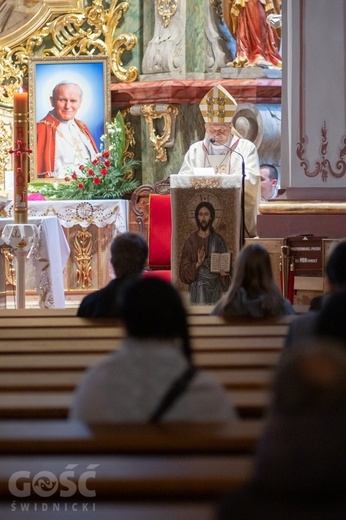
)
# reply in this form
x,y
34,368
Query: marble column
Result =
x,y
313,145
190,39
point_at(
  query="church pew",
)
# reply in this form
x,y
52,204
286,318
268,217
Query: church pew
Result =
x,y
192,310
243,356
67,380
15,331
126,487
106,509
250,403
62,437
80,361
166,463
138,477
203,310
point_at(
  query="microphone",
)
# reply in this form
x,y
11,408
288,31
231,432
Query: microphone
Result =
x,y
213,141
242,237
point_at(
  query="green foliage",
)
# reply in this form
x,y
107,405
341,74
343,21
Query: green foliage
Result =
x,y
106,177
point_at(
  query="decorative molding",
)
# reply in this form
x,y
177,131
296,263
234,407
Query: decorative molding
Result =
x,y
10,270
130,140
323,165
6,127
83,255
218,8
167,9
168,114
89,31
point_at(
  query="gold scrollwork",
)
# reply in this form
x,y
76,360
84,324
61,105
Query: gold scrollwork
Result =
x,y
160,142
5,144
217,5
82,252
88,32
10,270
129,140
167,9
200,183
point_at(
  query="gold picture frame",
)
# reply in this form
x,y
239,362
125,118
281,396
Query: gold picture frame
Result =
x,y
93,110
19,22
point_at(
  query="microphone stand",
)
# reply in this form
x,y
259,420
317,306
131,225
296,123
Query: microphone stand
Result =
x,y
242,197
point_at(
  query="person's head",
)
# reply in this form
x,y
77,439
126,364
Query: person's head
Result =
x,y
310,379
153,309
331,320
219,131
204,215
253,270
129,252
301,447
336,266
218,107
66,100
269,180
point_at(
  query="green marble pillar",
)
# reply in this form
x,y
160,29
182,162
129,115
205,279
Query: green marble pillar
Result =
x,y
195,51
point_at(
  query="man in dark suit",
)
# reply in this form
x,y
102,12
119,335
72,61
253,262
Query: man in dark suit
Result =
x,y
129,252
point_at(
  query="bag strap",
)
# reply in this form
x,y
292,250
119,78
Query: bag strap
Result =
x,y
172,394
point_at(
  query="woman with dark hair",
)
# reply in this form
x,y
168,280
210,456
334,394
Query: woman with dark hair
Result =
x,y
253,291
152,376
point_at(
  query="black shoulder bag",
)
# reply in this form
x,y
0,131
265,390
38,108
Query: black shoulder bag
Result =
x,y
175,390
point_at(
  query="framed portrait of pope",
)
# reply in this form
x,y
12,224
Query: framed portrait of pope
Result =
x,y
69,105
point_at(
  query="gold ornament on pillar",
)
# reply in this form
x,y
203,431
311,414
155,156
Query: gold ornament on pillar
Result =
x,y
167,9
168,113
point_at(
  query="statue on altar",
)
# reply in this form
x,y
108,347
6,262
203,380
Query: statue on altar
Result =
x,y
257,41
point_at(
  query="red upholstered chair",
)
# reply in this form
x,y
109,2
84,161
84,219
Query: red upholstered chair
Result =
x,y
154,221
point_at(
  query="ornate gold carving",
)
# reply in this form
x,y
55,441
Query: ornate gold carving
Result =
x,y
82,252
129,139
5,143
301,207
199,182
166,140
89,31
322,166
167,9
27,22
10,270
218,7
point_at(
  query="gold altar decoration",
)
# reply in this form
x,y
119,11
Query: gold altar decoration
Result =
x,y
10,270
200,182
6,130
167,9
83,256
301,207
80,31
218,8
129,137
168,113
